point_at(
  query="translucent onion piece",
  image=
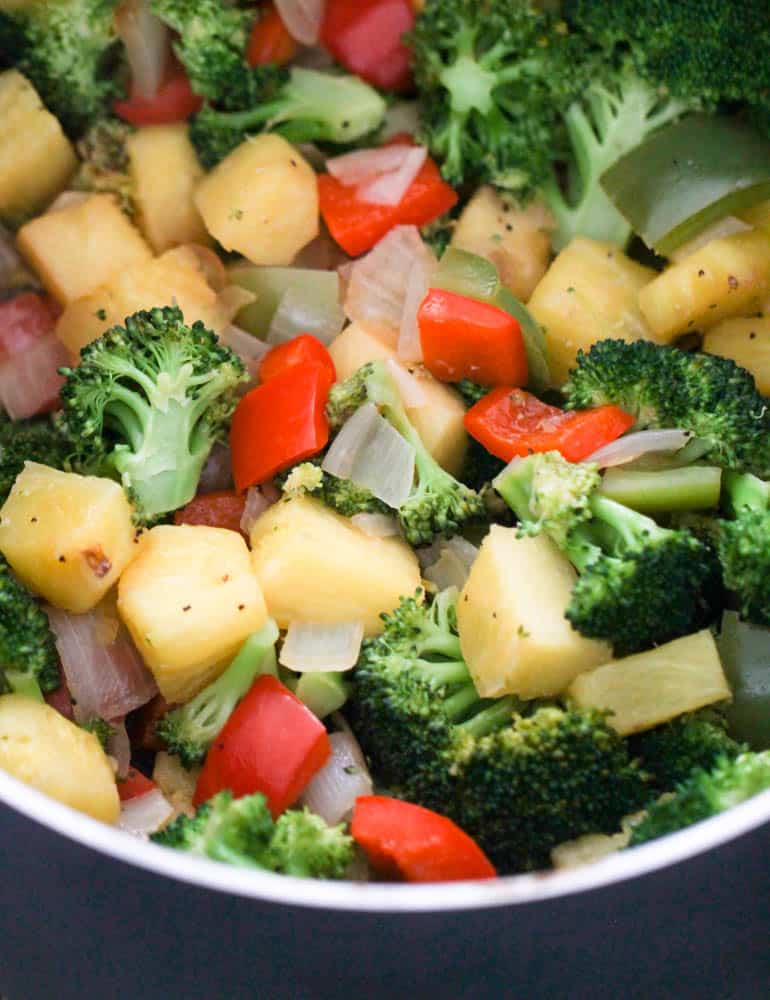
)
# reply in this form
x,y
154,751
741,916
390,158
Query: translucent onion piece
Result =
x,y
333,791
119,747
249,349
728,226
145,814
389,188
376,525
351,169
409,344
371,453
217,473
453,564
302,18
146,39
377,287
401,117
412,393
257,503
109,681
632,446
306,309
317,649
30,380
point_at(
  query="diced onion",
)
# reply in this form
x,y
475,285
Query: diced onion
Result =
x,y
258,499
333,791
105,680
119,747
30,380
401,117
351,169
371,453
310,648
450,562
146,39
217,473
301,310
412,393
632,446
250,349
376,525
389,188
302,18
409,344
145,814
378,284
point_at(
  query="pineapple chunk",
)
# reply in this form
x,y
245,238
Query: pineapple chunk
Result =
x,y
261,201
315,566
727,277
515,239
36,158
42,748
164,171
747,342
510,615
176,276
647,689
189,600
78,248
439,421
589,293
68,537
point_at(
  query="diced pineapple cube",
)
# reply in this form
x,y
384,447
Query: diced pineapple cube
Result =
x,y
176,276
189,600
68,537
747,343
165,171
36,158
516,239
510,615
727,277
646,689
261,201
315,566
42,748
589,293
439,419
78,248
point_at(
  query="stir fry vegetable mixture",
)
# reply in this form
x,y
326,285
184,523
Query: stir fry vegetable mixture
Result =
x,y
385,448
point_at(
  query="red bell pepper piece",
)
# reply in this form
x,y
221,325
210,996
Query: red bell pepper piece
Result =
x,y
272,743
511,422
415,844
134,785
300,350
174,102
357,225
464,338
279,423
366,37
222,509
269,41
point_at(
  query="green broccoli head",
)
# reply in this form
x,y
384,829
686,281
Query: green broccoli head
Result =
x,y
705,794
29,663
36,440
104,162
67,49
101,729
742,545
341,495
147,402
241,832
711,397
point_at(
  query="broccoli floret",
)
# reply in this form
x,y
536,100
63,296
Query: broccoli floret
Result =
x,y
705,794
67,49
101,729
147,402
520,778
301,104
341,495
191,729
672,752
242,832
471,392
639,583
439,504
711,397
104,162
29,663
742,545
36,440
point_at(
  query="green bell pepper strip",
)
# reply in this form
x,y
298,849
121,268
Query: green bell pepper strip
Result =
x,y
687,176
694,488
468,274
745,653
320,290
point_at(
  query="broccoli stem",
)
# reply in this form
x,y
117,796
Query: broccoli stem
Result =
x,y
496,715
24,684
694,488
746,492
630,527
